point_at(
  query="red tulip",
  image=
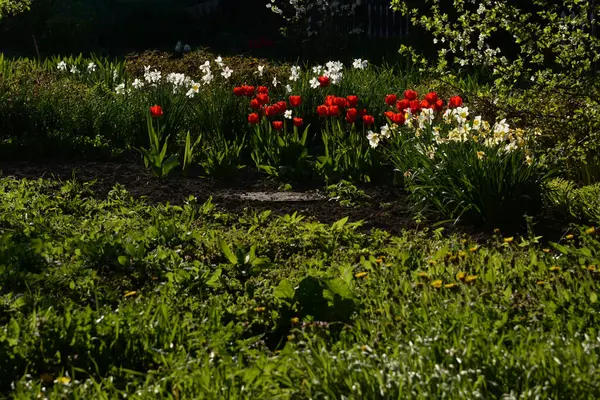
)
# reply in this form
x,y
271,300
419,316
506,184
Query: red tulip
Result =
x,y
455,101
402,105
425,104
262,89
439,105
334,111
391,99
298,122
253,118
329,100
352,101
323,110
156,111
362,113
239,91
389,114
271,111
398,118
281,106
351,115
277,125
415,106
262,98
410,95
248,90
431,97
255,104
340,102
323,81
368,119
295,101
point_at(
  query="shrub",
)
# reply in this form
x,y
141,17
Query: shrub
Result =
x,y
543,64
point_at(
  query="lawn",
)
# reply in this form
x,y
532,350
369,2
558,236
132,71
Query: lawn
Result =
x,y
108,297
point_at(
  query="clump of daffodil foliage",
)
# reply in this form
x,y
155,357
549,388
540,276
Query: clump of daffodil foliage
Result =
x,y
542,59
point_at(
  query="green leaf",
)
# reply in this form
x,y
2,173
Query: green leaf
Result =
x,y
226,250
214,278
285,290
560,248
123,260
593,297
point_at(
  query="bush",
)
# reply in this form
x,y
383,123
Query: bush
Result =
x,y
543,66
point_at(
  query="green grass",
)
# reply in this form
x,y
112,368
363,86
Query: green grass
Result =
x,y
189,302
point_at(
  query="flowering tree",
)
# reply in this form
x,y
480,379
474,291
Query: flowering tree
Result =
x,y
542,56
307,19
12,7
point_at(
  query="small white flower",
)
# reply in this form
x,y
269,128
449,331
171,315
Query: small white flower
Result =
x,y
120,89
275,82
360,63
314,83
226,72
288,114
288,89
91,67
207,78
74,69
195,88
205,68
137,84
261,70
386,131
373,139
219,61
294,73
62,66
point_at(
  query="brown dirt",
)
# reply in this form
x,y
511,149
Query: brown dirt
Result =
x,y
386,210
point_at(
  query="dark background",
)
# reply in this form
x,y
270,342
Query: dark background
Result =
x,y
120,27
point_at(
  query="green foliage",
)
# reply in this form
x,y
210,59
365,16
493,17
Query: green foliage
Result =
x,y
282,154
156,157
347,154
101,298
13,7
541,79
221,158
347,194
579,202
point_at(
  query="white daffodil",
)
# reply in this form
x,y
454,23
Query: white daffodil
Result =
x,y
91,67
152,77
74,69
288,114
360,63
386,131
219,61
261,70
275,82
137,84
194,88
62,66
476,125
373,138
314,83
207,78
226,73
294,73
288,89
120,89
